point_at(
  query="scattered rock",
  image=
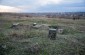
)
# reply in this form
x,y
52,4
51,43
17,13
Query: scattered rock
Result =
x,y
60,31
34,24
14,25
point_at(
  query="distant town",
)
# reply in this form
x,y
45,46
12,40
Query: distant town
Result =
x,y
67,15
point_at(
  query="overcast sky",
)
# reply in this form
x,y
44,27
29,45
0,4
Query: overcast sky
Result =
x,y
42,5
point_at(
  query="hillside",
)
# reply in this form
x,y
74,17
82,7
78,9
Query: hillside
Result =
x,y
26,39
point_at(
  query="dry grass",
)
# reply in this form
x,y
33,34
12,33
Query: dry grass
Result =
x,y
70,42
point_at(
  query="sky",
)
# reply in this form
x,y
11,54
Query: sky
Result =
x,y
42,6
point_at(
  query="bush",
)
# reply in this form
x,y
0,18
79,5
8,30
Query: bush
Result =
x,y
2,37
4,49
69,31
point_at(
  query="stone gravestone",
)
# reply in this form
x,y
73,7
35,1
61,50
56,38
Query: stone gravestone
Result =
x,y
52,34
54,27
14,25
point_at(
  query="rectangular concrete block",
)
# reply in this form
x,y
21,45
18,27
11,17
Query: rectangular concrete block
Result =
x,y
52,34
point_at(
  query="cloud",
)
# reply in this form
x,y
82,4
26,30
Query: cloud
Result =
x,y
45,2
36,5
0,1
4,8
33,6
72,1
41,3
76,8
61,9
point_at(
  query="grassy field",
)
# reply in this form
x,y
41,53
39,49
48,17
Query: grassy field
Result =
x,y
25,41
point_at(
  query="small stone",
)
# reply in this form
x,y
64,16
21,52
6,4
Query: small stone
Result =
x,y
60,31
34,24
